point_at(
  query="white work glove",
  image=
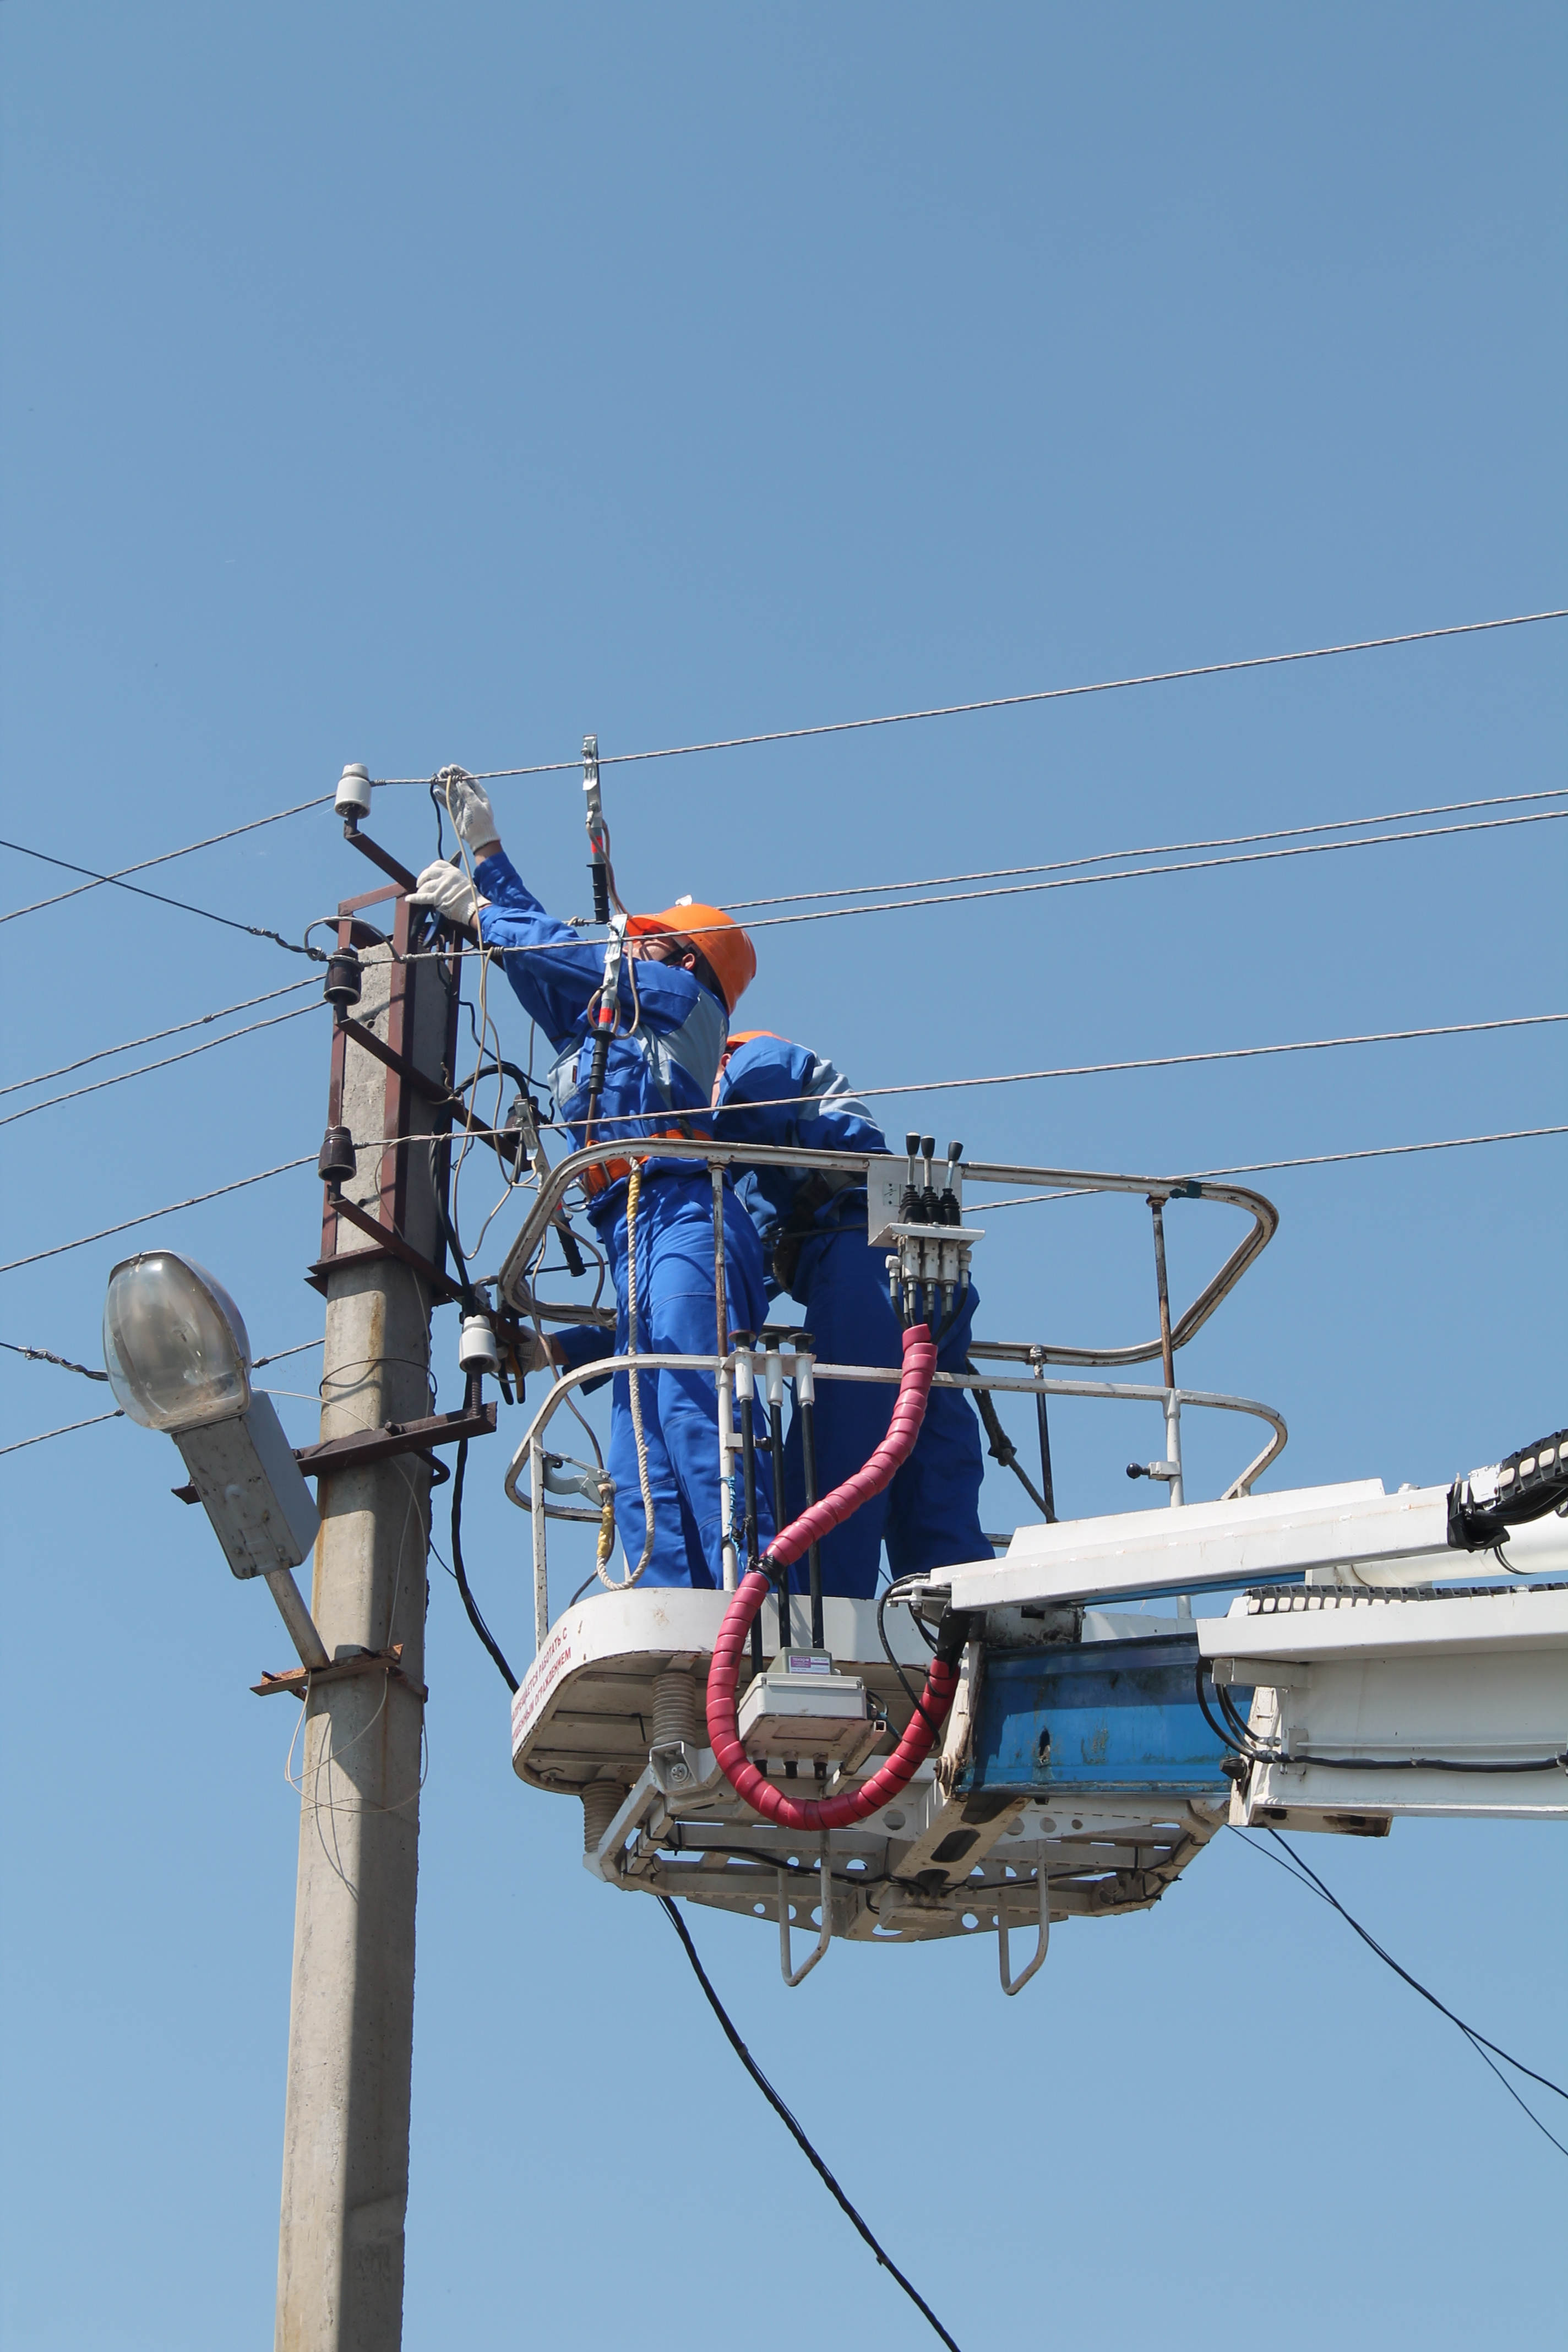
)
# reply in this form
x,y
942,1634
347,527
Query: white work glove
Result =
x,y
451,895
469,805
534,1354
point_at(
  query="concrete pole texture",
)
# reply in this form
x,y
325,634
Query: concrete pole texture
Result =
x,y
350,2037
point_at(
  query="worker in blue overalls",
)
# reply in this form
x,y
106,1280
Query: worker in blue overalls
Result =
x,y
813,1229
682,975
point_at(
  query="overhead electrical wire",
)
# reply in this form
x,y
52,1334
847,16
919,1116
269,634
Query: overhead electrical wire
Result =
x,y
1013,701
181,906
306,1160
91,1422
393,1142
1154,850
163,857
1077,881
1314,1160
894,718
1488,2052
1148,1062
48,1356
156,1036
96,1086
792,2126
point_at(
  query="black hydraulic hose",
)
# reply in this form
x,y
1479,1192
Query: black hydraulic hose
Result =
x,y
1222,1732
794,2130
1232,1713
475,1618
1048,1483
1000,1448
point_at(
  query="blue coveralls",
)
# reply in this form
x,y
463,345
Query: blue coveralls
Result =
x,y
930,1516
657,1079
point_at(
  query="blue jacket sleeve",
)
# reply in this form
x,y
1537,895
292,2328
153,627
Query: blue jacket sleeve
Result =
x,y
773,1092
585,1343
558,974
556,979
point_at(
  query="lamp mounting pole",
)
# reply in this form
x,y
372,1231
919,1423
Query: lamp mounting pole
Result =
x,y
351,2025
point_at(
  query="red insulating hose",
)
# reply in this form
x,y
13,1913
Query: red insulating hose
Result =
x,y
765,1796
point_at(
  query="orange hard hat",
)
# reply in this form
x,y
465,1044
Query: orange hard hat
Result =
x,y
716,936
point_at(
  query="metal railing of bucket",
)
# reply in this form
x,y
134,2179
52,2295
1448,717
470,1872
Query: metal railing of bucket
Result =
x,y
1174,1333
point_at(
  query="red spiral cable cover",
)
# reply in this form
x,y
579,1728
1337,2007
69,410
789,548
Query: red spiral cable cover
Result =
x,y
753,1786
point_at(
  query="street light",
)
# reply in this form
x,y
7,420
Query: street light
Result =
x,y
178,1358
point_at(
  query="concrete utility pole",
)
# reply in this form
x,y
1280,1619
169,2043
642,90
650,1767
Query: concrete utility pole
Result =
x,y
350,2028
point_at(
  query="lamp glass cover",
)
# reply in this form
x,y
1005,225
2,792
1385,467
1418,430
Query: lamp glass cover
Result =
x,y
174,1343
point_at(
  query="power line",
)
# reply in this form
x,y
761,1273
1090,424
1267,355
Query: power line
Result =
x,y
793,2129
307,1159
1148,1062
1012,701
182,906
17,1443
1305,1875
97,1084
48,1356
1317,1160
1140,873
1382,1152
164,857
156,1036
1158,849
1068,882
395,1143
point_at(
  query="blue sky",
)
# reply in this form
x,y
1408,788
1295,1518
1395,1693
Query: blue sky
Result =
x,y
407,385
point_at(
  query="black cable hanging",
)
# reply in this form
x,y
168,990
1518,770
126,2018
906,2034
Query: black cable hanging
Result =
x,y
794,2130
475,1617
1307,1877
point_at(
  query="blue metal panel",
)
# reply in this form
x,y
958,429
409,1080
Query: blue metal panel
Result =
x,y
1112,1717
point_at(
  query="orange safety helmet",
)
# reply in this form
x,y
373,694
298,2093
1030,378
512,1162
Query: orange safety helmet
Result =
x,y
716,936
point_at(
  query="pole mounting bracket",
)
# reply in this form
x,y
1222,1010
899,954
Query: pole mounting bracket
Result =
x,y
302,1680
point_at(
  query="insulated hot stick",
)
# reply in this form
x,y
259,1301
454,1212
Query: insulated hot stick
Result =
x,y
598,840
752,1786
605,1018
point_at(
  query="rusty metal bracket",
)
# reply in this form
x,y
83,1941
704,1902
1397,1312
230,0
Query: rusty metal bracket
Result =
x,y
366,1445
382,857
301,1680
435,1090
441,1284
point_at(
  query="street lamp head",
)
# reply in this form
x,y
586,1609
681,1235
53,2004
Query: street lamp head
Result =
x,y
174,1343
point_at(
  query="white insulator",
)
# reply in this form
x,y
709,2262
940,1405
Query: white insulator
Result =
x,y
476,1346
353,798
601,1800
674,1707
